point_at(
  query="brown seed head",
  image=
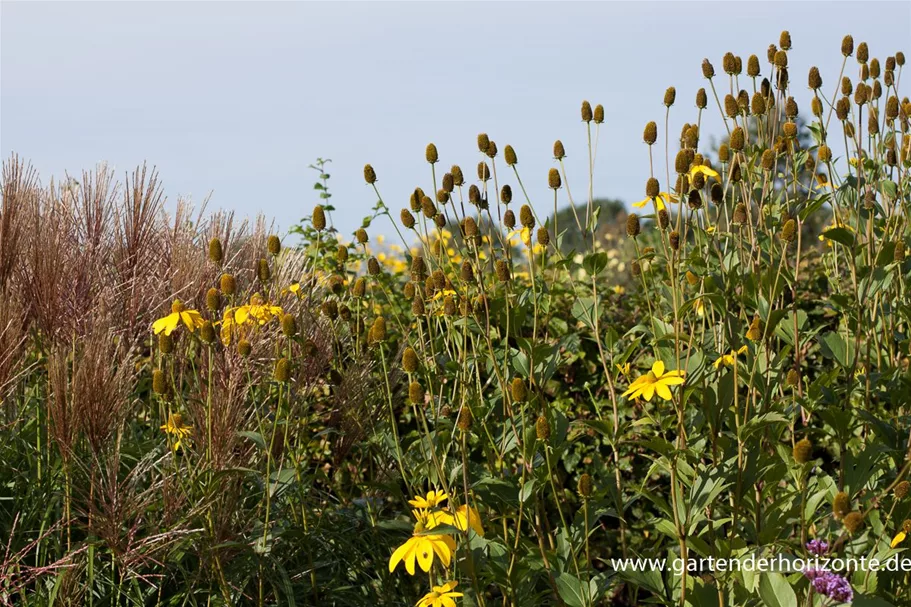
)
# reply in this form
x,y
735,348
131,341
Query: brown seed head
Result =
x,y
632,225
737,139
165,343
559,152
483,142
553,179
670,95
587,114
854,521
483,171
863,53
599,114
502,271
263,271
803,451
650,135
213,299
543,236
509,154
465,419
416,393
901,490
282,371
708,71
542,428
431,155
789,231
369,174
526,217
585,485
509,219
753,66
216,253
159,382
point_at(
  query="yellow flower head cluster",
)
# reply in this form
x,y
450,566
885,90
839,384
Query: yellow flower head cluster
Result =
x,y
256,313
176,427
729,360
661,201
440,596
191,319
656,381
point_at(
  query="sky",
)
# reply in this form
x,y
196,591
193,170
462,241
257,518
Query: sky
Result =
x,y
236,99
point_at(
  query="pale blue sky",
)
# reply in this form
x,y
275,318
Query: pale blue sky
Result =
x,y
238,98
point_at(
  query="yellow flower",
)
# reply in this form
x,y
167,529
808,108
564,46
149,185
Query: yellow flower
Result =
x,y
624,368
257,312
441,596
191,319
176,427
822,181
728,360
898,539
422,548
657,380
465,517
699,306
619,289
431,501
707,171
661,201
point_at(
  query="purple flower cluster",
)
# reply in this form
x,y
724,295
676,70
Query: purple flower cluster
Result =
x,y
829,584
817,547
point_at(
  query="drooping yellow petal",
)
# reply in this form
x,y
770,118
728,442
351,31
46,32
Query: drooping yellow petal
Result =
x,y
648,392
400,553
898,539
641,203
166,324
663,391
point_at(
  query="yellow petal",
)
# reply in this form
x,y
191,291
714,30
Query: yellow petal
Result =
x,y
663,391
658,368
424,551
898,539
641,203
648,392
672,380
398,555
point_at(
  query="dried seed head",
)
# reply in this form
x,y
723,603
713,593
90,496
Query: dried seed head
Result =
x,y
330,309
207,332
418,269
803,451
899,254
542,428
863,53
901,490
457,177
816,107
784,41
442,196
842,108
373,266
274,245
379,329
543,237
585,485
736,172
263,272
793,378
415,200
674,240
465,419
789,231
407,218
428,208
409,360
790,108
369,174
766,89
757,104
724,152
861,94
319,218
474,194
875,68
509,219
409,291
635,268
740,213
652,187
664,220
753,66
359,288
282,370
632,225
824,153
483,171
708,70
361,236
846,87
559,152
216,252
502,270
900,58
890,63
449,306
877,89
670,95
790,130
781,79
716,193
553,179
213,299
509,154
417,305
694,201
768,160
431,155
771,52
506,194
728,64
737,139
691,139
416,393
228,284
244,348
470,227
492,149
587,112
702,99
341,253
526,217
165,343
731,109
159,383
650,135
289,325
599,114
743,101
483,142
854,521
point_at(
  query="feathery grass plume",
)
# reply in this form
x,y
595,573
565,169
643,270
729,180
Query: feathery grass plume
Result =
x,y
407,218
670,95
361,236
853,522
509,219
728,64
483,142
369,174
898,255
213,299
599,114
702,99
431,155
708,70
416,393
553,179
165,343
319,218
863,53
650,135
901,490
543,237
244,348
506,194
559,152
483,171
737,139
474,195
341,253
417,305
282,371
632,225
410,360
542,428
415,200
207,332
803,451
428,208
509,154
467,272
159,382
465,420
587,114
740,213
448,184
674,240
502,271
442,196
216,252
752,66
373,266
359,288
518,390
263,271
492,149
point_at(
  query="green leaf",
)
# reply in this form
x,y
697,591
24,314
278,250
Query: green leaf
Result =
x,y
840,235
834,346
776,591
